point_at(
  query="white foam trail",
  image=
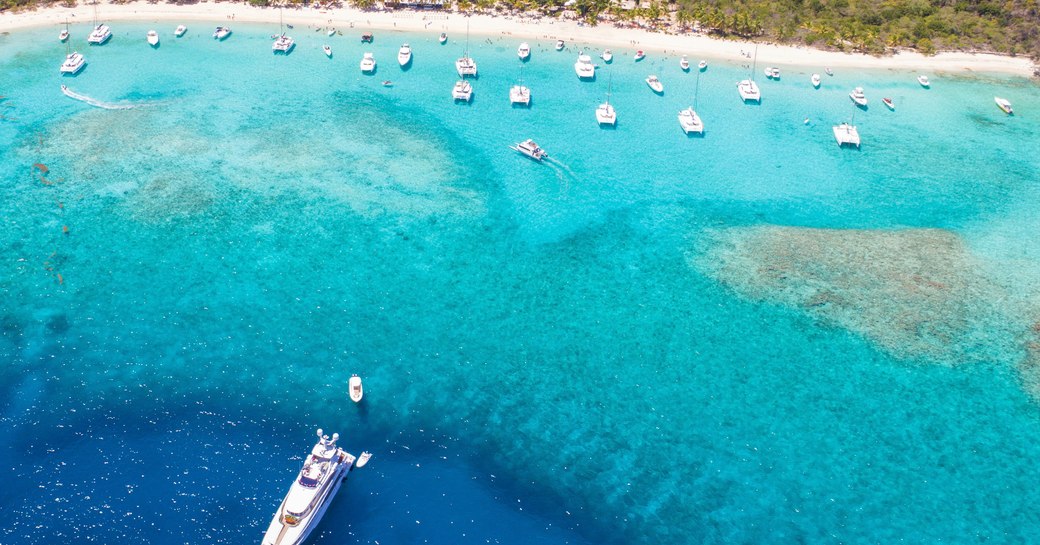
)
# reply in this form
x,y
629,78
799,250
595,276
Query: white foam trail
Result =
x,y
94,102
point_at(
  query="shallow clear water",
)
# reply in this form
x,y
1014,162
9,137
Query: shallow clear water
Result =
x,y
545,358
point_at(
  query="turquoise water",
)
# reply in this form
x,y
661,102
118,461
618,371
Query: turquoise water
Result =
x,y
547,356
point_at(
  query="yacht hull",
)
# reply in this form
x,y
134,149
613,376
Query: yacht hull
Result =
x,y
279,533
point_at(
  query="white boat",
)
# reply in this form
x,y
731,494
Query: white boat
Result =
x,y
356,389
889,104
607,56
524,51
368,63
520,93
283,44
324,471
331,32
64,35
443,39
639,55
221,33
748,90
462,91
153,38
690,121
772,72
703,65
815,79
605,114
530,148
328,50
684,63
828,71
846,134
99,35
74,62
923,80
559,45
404,55
584,67
466,66
655,84
858,97
181,29
1004,104
363,459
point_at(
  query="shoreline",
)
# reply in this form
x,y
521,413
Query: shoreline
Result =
x,y
455,24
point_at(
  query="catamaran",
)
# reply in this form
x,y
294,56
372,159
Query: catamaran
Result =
x,y
688,118
463,91
324,471
530,149
605,114
282,43
466,66
74,61
101,32
519,93
748,89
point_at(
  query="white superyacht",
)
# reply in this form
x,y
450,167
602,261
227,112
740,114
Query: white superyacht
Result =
x,y
324,470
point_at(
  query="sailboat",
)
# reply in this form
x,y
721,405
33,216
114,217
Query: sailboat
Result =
x,y
688,118
846,133
64,33
466,66
520,94
282,43
748,89
101,32
605,113
74,61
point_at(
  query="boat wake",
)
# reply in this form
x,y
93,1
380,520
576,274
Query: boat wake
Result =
x,y
96,103
563,172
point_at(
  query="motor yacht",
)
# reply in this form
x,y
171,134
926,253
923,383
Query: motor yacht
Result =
x,y
368,63
655,84
462,91
404,55
530,149
858,97
584,67
324,471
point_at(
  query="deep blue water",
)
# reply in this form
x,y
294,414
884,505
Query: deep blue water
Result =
x,y
543,361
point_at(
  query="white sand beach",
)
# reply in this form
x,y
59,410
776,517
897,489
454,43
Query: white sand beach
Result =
x,y
606,35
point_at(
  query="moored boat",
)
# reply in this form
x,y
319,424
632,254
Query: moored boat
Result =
x,y
1004,104
584,67
923,80
524,51
640,55
655,84
99,35
181,29
64,35
888,103
858,97
368,63
703,65
221,33
748,90
443,39
607,56
74,62
846,134
324,471
772,72
815,79
153,38
462,91
690,121
404,55
530,149
328,50
357,391
559,45
684,64
367,38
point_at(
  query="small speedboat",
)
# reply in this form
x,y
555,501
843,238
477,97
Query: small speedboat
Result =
x,y
356,389
367,38
607,56
559,45
828,71
815,79
524,51
64,35
363,459
772,72
331,32
443,39
923,80
221,33
404,55
328,50
153,38
181,29
703,65
858,97
655,84
462,91
388,83
1004,104
530,149
640,55
684,63
888,103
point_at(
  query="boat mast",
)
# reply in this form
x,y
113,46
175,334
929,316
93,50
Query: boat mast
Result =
x,y
754,63
610,80
696,90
